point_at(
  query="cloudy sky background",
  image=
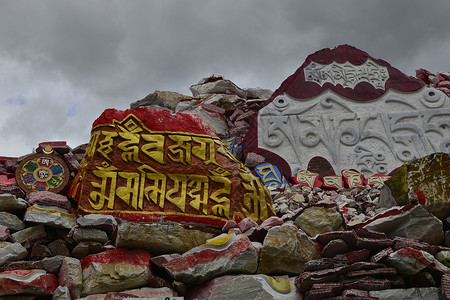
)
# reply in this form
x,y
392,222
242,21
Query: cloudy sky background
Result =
x,y
63,62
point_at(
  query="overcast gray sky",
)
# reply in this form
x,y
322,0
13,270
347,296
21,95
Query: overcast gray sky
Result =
x,y
63,62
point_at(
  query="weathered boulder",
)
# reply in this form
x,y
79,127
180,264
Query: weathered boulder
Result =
x,y
223,255
261,287
162,238
285,250
115,270
319,219
426,180
411,221
151,165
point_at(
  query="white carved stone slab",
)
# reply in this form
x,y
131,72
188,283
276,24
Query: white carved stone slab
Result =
x,y
373,136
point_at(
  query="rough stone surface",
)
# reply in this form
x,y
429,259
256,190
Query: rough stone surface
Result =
x,y
11,221
413,222
10,203
94,235
285,250
246,287
223,255
426,293
12,252
426,180
115,270
315,220
161,238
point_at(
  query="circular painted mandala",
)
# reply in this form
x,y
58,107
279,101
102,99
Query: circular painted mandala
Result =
x,y
42,172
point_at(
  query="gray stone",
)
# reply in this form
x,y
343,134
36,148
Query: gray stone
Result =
x,y
258,93
285,250
106,223
52,264
12,252
29,236
61,293
83,249
416,223
316,220
90,235
160,238
10,203
259,287
11,221
416,293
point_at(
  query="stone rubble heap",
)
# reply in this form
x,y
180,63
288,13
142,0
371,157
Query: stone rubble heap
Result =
x,y
440,80
335,244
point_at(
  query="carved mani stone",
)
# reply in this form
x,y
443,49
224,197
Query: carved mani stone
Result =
x,y
354,111
152,165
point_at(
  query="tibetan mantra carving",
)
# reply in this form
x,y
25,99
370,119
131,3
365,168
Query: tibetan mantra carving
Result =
x,y
373,137
141,174
347,74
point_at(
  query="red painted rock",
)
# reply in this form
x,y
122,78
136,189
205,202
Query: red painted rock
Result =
x,y
50,199
115,270
152,165
34,282
223,255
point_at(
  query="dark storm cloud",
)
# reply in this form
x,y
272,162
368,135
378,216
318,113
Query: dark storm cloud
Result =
x,y
71,60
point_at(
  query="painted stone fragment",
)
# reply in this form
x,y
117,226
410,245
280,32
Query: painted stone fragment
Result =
x,y
223,255
34,282
152,165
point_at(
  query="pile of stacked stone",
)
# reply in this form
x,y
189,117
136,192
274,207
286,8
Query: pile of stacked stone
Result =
x,y
440,80
225,106
322,243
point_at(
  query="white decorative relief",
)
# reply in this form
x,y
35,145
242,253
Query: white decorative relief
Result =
x,y
372,137
347,74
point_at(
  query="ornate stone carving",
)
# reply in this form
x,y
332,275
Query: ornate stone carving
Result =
x,y
347,74
373,137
